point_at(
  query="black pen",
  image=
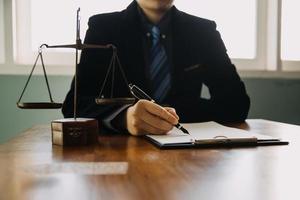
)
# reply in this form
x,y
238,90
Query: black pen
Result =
x,y
140,94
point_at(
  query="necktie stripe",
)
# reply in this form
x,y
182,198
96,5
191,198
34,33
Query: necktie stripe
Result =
x,y
161,87
159,71
160,76
158,58
164,88
155,52
157,67
155,47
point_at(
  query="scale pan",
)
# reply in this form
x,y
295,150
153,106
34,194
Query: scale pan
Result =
x,y
39,105
114,101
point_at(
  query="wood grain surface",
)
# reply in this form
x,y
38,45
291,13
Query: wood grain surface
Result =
x,y
127,167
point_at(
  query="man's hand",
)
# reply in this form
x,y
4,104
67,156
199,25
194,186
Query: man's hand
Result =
x,y
146,117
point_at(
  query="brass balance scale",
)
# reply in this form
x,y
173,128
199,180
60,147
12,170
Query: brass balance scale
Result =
x,y
77,131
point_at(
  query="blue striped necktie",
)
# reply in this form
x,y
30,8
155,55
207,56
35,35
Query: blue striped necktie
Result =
x,y
159,67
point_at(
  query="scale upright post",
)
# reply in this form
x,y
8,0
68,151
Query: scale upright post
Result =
x,y
74,131
78,43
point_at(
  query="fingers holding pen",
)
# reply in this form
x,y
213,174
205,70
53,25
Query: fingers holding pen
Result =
x,y
172,111
161,112
157,122
155,115
144,128
147,117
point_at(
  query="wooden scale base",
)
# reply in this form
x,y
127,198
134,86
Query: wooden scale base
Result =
x,y
74,132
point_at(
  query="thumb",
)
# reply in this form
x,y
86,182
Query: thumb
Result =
x,y
172,111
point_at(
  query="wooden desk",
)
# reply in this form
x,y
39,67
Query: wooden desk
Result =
x,y
132,168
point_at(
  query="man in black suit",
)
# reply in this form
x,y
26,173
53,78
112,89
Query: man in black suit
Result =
x,y
170,55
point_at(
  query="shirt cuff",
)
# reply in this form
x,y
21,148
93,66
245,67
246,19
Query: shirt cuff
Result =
x,y
107,122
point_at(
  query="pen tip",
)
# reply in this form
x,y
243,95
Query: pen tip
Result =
x,y
184,130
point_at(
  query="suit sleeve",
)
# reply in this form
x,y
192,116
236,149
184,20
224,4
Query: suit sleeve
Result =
x,y
229,101
91,73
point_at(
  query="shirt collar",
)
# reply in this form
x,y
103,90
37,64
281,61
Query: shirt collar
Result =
x,y
163,25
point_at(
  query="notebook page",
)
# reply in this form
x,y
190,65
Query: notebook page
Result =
x,y
205,131
175,136
209,130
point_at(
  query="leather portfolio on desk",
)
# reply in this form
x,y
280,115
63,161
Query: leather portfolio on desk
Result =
x,y
212,134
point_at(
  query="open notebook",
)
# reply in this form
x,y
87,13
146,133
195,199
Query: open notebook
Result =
x,y
211,134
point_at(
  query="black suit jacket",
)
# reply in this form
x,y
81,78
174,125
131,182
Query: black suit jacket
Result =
x,y
199,57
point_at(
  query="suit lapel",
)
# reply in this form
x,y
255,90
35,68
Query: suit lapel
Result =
x,y
131,49
178,48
